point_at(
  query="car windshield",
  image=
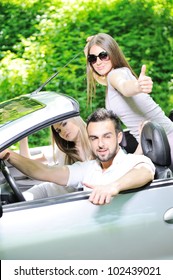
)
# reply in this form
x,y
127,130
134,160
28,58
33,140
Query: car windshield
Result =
x,y
16,108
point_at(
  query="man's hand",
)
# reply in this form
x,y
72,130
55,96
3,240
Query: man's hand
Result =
x,y
144,82
5,154
101,194
141,174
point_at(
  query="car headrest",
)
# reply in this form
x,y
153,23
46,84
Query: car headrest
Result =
x,y
128,142
171,115
155,144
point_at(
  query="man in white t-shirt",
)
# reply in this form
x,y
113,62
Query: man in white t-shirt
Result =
x,y
112,171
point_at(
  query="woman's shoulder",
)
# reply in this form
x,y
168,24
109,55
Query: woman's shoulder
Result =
x,y
120,70
124,72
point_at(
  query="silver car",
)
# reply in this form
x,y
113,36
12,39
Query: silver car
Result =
x,y
137,224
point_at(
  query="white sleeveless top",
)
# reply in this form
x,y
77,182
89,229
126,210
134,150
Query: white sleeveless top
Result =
x,y
133,111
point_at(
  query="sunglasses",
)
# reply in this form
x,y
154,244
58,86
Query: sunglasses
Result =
x,y
103,56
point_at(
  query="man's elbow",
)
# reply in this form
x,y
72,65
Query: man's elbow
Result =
x,y
151,174
148,173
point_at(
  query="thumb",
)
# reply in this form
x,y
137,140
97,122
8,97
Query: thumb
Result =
x,y
143,70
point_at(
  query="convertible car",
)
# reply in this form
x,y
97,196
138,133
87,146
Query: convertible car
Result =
x,y
137,224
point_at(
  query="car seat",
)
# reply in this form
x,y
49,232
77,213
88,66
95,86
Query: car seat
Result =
x,y
155,145
128,143
171,115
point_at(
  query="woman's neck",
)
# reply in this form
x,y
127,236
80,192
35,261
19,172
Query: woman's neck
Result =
x,y
102,80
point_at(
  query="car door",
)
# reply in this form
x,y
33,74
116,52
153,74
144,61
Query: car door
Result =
x,y
132,226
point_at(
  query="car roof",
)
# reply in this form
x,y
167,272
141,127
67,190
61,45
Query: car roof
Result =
x,y
28,113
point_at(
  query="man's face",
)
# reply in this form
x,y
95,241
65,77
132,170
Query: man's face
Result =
x,y
104,140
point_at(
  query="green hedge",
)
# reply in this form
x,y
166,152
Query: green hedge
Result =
x,y
39,37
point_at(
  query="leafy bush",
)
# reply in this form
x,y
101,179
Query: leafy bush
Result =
x,y
39,38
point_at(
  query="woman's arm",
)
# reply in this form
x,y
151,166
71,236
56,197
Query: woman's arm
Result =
x,y
129,88
24,151
24,148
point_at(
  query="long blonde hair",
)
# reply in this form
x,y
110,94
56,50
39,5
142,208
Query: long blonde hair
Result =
x,y
68,147
116,55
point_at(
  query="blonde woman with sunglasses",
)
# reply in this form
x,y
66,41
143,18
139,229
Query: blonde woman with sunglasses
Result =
x,y
126,94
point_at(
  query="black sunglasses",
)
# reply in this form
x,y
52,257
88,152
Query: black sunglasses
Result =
x,y
92,58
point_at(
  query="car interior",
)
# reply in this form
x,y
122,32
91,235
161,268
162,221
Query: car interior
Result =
x,y
154,143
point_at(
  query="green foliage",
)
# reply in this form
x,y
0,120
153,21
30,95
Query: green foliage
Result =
x,y
40,138
39,37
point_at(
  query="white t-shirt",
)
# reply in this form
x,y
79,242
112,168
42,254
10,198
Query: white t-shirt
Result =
x,y
91,172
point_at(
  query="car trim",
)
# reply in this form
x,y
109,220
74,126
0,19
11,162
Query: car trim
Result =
x,y
79,195
37,127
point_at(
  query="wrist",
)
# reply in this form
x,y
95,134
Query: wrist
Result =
x,y
115,188
137,86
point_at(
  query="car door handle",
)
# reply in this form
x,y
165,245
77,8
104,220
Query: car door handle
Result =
x,y
168,216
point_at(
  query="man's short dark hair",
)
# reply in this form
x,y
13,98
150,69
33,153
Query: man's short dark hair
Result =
x,y
103,114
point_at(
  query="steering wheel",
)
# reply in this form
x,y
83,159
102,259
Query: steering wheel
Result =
x,y
11,181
